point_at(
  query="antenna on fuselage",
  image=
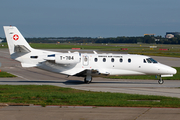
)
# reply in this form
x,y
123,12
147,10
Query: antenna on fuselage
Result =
x,y
94,52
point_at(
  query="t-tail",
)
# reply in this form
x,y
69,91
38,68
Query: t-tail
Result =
x,y
15,40
19,48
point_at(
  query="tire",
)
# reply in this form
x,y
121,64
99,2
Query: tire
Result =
x,y
86,81
160,81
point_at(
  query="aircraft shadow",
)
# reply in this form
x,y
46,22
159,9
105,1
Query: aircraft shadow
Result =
x,y
74,82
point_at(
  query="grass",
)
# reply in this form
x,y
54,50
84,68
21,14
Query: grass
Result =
x,y
52,95
5,74
148,77
167,54
144,49
68,46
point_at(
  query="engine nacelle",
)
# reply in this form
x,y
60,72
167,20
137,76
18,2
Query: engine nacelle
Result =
x,y
67,58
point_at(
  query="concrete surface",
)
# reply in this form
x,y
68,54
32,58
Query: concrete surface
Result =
x,y
40,77
88,113
36,76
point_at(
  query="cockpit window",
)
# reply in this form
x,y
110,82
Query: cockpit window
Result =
x,y
153,61
150,60
144,61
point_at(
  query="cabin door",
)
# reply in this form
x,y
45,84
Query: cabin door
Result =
x,y
85,60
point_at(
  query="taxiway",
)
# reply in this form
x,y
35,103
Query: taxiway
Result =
x,y
34,76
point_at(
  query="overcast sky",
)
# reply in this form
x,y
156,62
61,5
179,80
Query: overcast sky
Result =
x,y
90,18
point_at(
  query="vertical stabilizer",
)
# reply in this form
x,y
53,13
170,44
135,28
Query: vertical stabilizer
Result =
x,y
15,40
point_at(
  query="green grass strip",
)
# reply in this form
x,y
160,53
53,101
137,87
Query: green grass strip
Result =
x,y
52,95
144,49
5,74
67,46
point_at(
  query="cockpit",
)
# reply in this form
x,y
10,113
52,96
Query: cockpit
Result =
x,y
150,60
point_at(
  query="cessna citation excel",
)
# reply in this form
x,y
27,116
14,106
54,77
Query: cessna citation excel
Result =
x,y
83,64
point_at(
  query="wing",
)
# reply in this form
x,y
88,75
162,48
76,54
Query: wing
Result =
x,y
92,72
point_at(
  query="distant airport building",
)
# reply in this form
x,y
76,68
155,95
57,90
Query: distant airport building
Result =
x,y
171,34
99,37
149,34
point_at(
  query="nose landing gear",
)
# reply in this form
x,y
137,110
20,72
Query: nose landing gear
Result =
x,y
160,81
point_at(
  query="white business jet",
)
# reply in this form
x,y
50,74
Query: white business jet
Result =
x,y
83,64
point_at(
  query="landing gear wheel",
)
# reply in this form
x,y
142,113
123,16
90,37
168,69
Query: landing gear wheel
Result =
x,y
87,81
160,81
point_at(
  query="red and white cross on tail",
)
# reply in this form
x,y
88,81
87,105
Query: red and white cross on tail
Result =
x,y
15,37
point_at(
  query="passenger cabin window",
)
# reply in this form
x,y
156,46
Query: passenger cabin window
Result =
x,y
104,59
112,59
35,57
120,60
129,60
95,59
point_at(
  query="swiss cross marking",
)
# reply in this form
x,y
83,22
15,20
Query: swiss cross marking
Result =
x,y
15,37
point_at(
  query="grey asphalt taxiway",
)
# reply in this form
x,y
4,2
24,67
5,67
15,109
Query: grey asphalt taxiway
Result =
x,y
36,76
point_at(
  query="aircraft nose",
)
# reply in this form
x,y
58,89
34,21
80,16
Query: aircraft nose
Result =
x,y
172,70
167,70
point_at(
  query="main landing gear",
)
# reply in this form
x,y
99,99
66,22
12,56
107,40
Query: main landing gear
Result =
x,y
160,81
88,79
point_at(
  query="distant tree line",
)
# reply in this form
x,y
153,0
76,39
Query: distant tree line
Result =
x,y
144,39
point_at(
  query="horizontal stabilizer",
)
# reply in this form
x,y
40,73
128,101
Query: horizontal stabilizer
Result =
x,y
28,65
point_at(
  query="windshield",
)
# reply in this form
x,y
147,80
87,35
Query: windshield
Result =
x,y
151,60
